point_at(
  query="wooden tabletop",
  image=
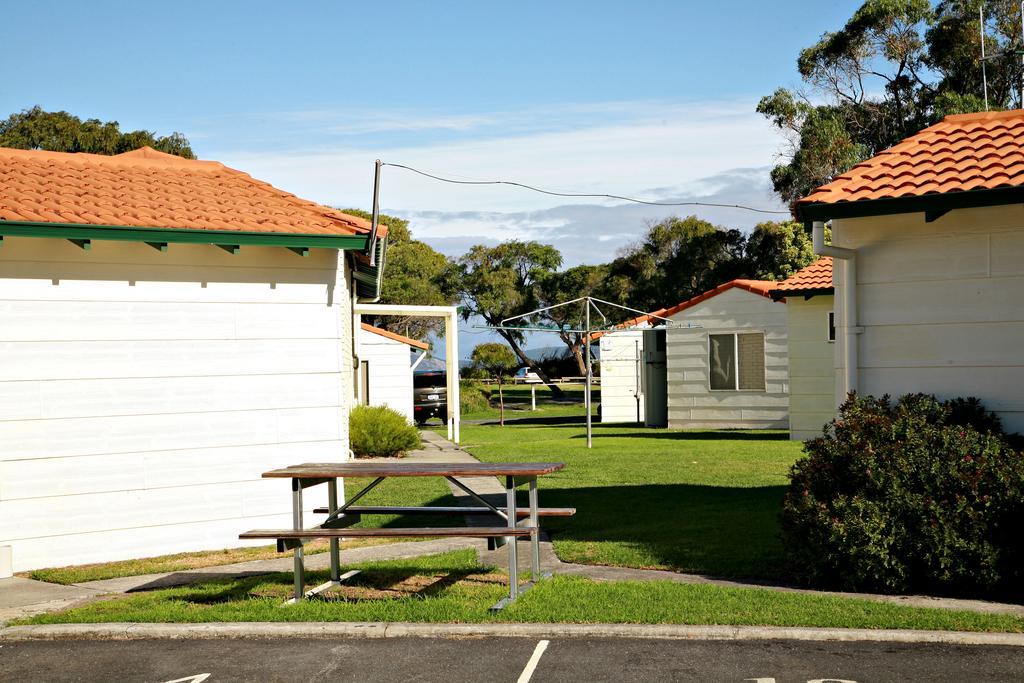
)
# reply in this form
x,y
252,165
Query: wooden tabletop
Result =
x,y
327,470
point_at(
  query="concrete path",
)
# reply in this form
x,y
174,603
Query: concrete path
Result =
x,y
20,597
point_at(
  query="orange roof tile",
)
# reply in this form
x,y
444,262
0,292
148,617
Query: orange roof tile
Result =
x,y
963,152
396,337
816,277
149,189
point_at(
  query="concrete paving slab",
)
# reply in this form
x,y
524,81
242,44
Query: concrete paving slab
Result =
x,y
21,597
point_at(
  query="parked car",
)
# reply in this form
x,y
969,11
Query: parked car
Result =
x,y
526,375
429,396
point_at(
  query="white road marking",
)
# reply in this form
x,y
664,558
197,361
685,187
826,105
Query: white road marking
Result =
x,y
531,665
198,678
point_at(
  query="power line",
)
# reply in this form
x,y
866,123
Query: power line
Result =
x,y
579,194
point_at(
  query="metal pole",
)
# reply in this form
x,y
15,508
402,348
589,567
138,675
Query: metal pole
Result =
x,y
513,557
984,74
586,401
535,535
372,243
298,561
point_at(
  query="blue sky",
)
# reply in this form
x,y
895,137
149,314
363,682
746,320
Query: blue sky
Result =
x,y
648,99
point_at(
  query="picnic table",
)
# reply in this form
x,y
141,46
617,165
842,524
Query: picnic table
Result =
x,y
340,518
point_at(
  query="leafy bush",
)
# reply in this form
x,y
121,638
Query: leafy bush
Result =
x,y
473,396
380,431
920,495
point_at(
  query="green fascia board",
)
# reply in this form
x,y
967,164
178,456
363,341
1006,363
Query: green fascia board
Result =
x,y
72,231
933,204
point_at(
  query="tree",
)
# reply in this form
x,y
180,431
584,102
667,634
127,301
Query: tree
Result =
x,y
774,251
896,67
503,281
415,274
675,260
62,132
498,360
565,286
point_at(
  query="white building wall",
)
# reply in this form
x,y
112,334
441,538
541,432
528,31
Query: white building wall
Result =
x,y
811,365
620,383
691,402
143,393
389,363
941,305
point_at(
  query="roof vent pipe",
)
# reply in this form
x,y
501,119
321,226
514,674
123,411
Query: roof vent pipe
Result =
x,y
848,320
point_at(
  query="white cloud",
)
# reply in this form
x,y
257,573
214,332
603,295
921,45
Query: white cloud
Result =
x,y
616,148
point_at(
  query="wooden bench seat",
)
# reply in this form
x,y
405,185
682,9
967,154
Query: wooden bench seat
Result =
x,y
445,510
394,532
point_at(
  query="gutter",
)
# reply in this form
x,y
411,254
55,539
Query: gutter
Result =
x,y
848,324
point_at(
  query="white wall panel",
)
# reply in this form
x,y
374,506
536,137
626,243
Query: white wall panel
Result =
x,y
942,306
143,393
390,372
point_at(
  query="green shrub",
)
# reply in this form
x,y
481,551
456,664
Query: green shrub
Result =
x,y
920,495
473,396
380,431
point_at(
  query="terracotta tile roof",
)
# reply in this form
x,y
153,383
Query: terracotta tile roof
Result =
x,y
816,277
149,189
961,153
760,287
396,337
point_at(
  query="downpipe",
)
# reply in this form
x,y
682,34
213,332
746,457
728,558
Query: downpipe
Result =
x,y
848,325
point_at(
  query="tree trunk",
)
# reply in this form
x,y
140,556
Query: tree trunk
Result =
x,y
575,343
525,360
577,352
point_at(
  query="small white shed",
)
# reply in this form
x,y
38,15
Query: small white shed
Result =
x,y
171,329
723,356
386,365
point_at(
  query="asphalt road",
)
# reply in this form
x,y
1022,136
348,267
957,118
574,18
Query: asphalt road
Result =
x,y
501,659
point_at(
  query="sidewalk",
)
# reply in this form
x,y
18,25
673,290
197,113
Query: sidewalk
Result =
x,y
20,597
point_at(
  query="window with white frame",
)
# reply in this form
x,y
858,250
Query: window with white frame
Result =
x,y
736,361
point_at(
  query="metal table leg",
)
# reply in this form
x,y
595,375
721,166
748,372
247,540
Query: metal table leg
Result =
x,y
332,507
299,559
336,577
513,556
535,534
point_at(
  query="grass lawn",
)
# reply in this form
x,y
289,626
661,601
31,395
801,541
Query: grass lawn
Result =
x,y
452,587
517,403
702,502
691,501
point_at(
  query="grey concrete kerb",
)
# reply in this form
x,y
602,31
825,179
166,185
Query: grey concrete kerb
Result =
x,y
121,631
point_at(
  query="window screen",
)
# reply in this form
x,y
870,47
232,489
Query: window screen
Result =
x,y
736,361
751,351
831,326
722,361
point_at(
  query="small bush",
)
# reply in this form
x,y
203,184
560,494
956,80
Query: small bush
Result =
x,y
381,432
920,495
473,396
